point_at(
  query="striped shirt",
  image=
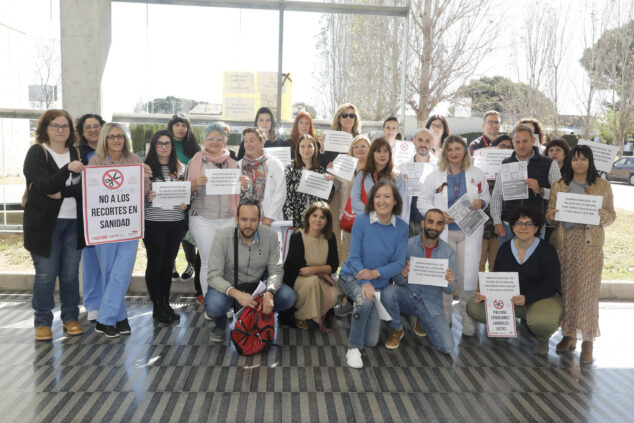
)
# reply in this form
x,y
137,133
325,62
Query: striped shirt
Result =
x,y
158,214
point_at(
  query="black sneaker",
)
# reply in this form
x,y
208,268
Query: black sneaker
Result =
x,y
124,327
109,331
175,275
218,334
188,273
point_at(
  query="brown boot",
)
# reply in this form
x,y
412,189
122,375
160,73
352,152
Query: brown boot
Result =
x,y
586,352
394,339
567,343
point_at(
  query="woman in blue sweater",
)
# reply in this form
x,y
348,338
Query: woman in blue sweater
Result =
x,y
539,273
377,253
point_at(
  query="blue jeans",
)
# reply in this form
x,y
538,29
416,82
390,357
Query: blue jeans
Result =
x,y
92,283
509,235
364,323
63,262
408,300
217,304
116,262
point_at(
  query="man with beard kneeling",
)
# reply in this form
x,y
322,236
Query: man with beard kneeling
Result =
x,y
424,301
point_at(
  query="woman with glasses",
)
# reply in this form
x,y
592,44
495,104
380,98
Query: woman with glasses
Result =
x,y
116,260
305,159
164,228
186,145
88,129
536,264
439,128
209,212
53,230
580,249
455,177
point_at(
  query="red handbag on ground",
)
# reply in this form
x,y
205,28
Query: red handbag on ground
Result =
x,y
348,216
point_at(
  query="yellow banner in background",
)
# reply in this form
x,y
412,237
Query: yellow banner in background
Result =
x,y
243,93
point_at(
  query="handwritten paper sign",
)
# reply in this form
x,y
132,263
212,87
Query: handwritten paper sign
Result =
x,y
338,141
222,181
428,271
578,208
113,203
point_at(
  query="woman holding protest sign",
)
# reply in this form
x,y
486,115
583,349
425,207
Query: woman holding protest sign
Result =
x,y
209,212
53,231
116,260
164,227
580,249
305,159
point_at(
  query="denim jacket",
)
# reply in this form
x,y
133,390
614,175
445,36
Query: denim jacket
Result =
x,y
431,295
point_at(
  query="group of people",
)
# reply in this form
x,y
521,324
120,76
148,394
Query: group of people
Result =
x,y
231,247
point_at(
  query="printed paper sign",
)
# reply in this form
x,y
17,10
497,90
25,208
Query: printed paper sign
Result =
x,y
222,181
113,203
490,159
468,219
403,151
416,173
578,208
428,271
604,154
338,141
316,184
283,154
344,166
499,288
170,194
512,176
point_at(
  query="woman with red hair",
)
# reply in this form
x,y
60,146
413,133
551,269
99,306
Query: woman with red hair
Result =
x,y
302,125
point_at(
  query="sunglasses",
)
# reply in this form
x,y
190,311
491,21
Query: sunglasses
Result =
x,y
348,115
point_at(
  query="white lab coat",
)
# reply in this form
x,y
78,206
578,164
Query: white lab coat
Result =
x,y
477,188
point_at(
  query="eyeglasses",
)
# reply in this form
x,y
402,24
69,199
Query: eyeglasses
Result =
x,y
164,144
348,115
115,137
493,122
526,225
437,125
57,127
89,127
217,139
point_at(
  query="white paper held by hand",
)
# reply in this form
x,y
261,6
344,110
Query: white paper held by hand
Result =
x,y
578,208
170,194
222,181
313,183
428,271
338,141
344,166
383,314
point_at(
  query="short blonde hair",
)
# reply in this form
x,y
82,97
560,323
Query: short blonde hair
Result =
x,y
443,163
102,145
360,137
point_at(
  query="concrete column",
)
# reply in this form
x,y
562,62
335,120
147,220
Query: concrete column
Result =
x,y
85,42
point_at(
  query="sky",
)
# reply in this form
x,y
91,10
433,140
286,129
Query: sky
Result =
x,y
160,50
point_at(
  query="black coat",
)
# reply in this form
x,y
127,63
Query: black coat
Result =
x,y
40,211
295,259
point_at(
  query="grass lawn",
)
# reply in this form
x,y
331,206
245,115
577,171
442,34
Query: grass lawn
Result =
x,y
618,252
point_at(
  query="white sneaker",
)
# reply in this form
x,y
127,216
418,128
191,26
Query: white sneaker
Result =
x,y
468,328
92,315
353,356
206,316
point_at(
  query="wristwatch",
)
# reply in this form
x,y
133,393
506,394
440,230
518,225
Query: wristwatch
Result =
x,y
272,291
378,274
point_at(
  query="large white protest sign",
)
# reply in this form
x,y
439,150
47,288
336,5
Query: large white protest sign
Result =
x,y
513,185
338,141
578,208
403,151
499,288
604,154
428,271
313,183
283,154
490,159
222,181
344,166
416,173
113,203
380,309
170,194
468,219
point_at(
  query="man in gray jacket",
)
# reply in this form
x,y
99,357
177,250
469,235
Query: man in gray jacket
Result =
x,y
258,254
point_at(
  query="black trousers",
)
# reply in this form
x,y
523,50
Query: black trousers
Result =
x,y
162,240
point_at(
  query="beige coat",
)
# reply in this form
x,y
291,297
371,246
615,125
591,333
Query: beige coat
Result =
x,y
594,235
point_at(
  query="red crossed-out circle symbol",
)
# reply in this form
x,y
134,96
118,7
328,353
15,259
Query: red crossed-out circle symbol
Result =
x,y
498,304
112,179
404,147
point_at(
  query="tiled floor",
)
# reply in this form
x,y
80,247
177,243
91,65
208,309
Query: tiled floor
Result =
x,y
175,374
